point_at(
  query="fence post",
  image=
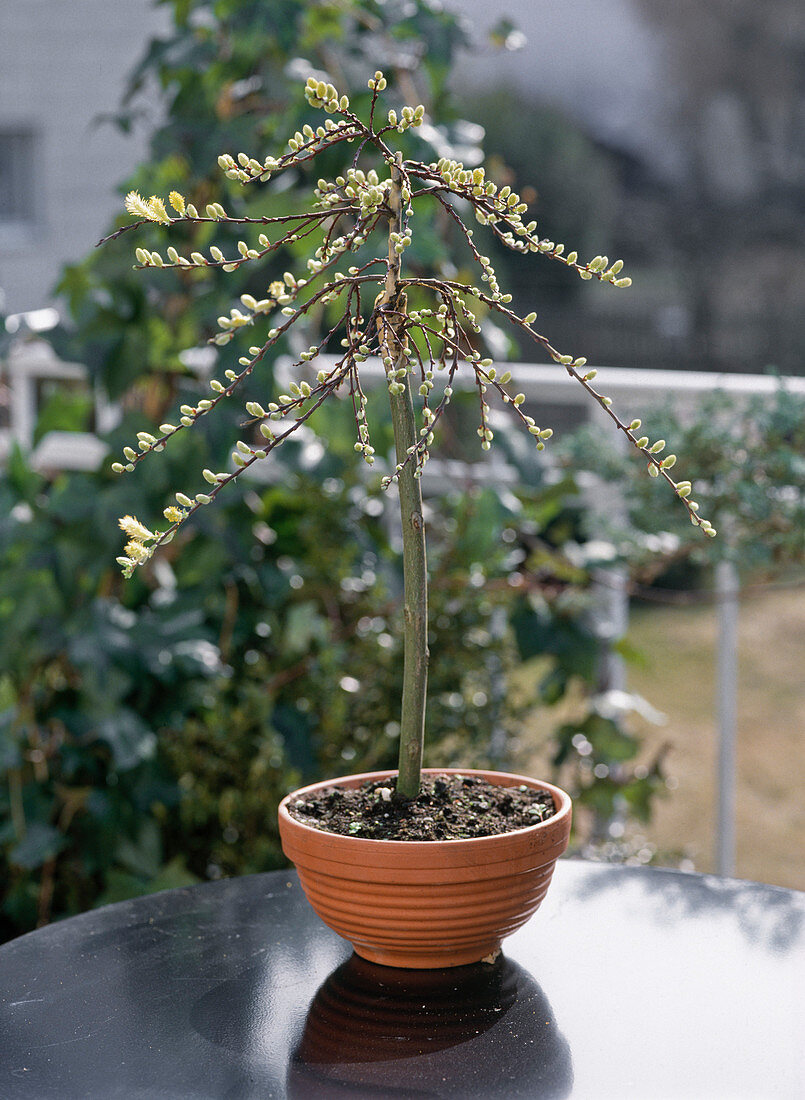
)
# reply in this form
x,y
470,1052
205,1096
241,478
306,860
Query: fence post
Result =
x,y
727,588
22,389
610,617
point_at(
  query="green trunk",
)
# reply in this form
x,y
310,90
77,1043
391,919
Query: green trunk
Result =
x,y
415,574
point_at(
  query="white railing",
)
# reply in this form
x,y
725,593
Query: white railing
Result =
x,y
30,363
33,361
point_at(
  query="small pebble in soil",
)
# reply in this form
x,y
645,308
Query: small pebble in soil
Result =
x,y
448,807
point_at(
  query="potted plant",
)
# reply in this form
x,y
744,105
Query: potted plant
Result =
x,y
417,869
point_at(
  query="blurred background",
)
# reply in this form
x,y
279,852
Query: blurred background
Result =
x,y
148,728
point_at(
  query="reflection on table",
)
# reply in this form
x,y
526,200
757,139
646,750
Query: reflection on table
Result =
x,y
628,983
403,1031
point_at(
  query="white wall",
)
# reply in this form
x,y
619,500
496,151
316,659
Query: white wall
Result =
x,y
597,59
62,63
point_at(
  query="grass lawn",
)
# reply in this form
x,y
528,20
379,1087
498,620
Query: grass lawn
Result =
x,y
678,678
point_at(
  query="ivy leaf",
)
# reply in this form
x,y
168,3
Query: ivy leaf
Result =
x,y
142,856
9,749
121,885
305,626
129,738
40,843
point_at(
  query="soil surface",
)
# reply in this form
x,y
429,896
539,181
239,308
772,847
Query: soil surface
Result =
x,y
448,807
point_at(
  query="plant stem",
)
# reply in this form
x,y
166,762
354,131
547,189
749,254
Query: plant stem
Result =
x,y
415,573
16,803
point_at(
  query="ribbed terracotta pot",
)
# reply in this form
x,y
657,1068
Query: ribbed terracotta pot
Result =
x,y
422,904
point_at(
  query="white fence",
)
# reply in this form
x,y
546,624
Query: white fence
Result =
x,y
30,364
633,391
33,361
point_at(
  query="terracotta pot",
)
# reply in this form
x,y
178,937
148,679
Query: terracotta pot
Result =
x,y
422,904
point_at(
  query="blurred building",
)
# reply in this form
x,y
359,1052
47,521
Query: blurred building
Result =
x,y
699,110
63,65
677,131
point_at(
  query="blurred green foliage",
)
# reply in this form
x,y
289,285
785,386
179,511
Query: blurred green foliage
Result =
x,y
148,729
746,458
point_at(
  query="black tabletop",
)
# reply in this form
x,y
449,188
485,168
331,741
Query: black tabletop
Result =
x,y
628,982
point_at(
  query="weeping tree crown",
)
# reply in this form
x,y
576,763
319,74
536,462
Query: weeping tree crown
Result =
x,y
418,326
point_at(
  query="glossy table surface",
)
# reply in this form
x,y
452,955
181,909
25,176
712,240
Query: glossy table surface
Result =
x,y
628,982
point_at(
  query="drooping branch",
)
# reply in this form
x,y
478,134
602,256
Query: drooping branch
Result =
x,y
448,333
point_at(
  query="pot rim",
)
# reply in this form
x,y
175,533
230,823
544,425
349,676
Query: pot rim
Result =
x,y
562,801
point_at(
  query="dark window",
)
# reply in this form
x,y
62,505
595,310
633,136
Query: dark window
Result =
x,y
17,177
5,401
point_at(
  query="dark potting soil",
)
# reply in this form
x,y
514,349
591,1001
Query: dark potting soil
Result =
x,y
448,807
